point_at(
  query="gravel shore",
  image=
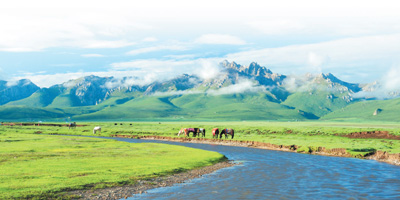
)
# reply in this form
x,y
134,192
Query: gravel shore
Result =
x,y
143,185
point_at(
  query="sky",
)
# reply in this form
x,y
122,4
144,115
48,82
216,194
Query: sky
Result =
x,y
51,42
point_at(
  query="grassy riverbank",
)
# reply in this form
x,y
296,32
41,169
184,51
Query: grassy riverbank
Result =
x,y
305,134
43,166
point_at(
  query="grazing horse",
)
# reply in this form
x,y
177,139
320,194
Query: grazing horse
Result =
x,y
227,132
215,132
192,130
97,128
72,125
183,130
202,132
187,131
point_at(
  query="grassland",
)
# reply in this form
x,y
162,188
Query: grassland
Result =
x,y
44,166
306,134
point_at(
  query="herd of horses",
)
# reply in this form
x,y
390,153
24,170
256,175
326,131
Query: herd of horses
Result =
x,y
202,132
186,131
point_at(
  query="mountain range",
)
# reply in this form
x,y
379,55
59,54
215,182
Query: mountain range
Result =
x,y
237,92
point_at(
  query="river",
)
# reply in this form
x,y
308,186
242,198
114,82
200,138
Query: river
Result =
x,y
266,174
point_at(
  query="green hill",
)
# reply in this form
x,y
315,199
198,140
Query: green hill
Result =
x,y
319,103
199,107
384,110
40,98
23,112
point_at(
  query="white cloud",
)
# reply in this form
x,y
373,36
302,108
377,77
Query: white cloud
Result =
x,y
47,80
317,61
142,72
242,86
392,79
200,67
27,29
302,82
47,24
338,26
150,39
335,56
219,39
94,44
388,86
209,69
157,48
154,65
92,55
278,26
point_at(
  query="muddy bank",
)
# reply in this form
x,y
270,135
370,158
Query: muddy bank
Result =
x,y
373,135
339,152
142,185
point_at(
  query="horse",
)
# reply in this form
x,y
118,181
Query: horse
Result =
x,y
215,132
201,131
194,131
183,130
227,132
97,128
72,125
187,131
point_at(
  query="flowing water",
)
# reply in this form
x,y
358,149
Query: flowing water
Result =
x,y
266,174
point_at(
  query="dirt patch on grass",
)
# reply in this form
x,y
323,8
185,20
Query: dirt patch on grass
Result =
x,y
373,135
142,185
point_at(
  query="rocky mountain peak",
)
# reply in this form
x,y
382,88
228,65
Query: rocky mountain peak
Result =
x,y
230,65
254,69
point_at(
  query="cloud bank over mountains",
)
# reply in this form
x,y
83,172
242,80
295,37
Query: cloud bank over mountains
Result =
x,y
158,40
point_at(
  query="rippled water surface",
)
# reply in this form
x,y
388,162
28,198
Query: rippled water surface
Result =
x,y
267,174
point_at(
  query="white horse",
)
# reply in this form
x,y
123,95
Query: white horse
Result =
x,y
97,128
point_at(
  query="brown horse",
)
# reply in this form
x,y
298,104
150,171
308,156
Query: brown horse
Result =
x,y
183,131
227,132
187,131
215,132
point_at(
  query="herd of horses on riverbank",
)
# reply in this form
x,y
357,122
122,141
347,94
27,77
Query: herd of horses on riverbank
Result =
x,y
202,132
196,132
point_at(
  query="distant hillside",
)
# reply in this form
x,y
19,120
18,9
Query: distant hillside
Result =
x,y
239,92
199,107
321,94
29,113
375,110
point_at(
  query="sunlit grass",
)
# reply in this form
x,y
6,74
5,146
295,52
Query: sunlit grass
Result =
x,y
314,133
42,165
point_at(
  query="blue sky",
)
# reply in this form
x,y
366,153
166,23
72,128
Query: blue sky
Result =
x,y
51,42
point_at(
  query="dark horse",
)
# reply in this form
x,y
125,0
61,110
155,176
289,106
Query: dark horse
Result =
x,y
202,132
215,132
72,125
227,132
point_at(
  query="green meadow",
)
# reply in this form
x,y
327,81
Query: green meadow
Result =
x,y
42,166
305,134
326,134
